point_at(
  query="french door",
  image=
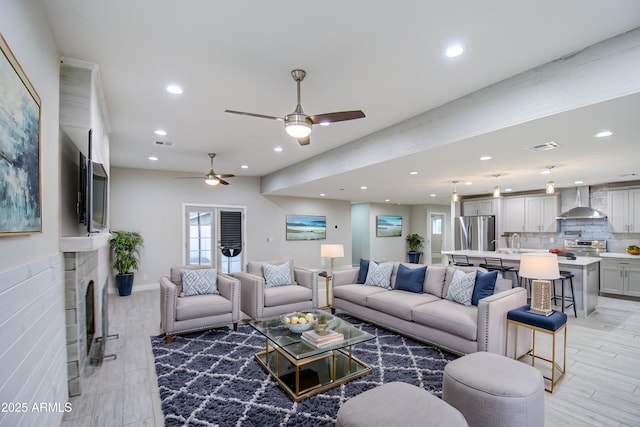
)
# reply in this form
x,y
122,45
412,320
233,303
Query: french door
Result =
x,y
213,235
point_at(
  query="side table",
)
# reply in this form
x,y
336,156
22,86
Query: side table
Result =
x,y
328,278
552,325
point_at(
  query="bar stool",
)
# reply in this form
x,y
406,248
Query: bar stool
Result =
x,y
461,261
492,264
565,275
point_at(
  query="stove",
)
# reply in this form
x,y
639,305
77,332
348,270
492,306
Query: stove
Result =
x,y
586,247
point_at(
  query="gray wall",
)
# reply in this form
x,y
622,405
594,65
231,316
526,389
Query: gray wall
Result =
x,y
151,202
32,324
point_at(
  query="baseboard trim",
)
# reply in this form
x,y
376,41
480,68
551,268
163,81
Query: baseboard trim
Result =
x,y
138,288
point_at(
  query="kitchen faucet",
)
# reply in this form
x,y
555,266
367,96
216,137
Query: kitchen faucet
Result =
x,y
497,245
513,236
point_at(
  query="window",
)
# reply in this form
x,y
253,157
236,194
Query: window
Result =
x,y
436,225
213,236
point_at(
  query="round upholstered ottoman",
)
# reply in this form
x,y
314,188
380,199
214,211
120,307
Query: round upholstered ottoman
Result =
x,y
397,404
492,390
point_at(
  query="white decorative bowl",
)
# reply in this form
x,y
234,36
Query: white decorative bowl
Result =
x,y
296,327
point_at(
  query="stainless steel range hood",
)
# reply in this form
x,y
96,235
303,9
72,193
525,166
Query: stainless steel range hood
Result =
x,y
582,212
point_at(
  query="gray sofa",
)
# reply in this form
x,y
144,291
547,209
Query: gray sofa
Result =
x,y
429,317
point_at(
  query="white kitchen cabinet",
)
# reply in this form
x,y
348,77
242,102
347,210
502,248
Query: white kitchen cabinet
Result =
x,y
513,213
624,211
540,214
620,276
480,207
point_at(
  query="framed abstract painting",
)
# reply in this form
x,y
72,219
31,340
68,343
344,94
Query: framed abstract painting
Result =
x,y
20,183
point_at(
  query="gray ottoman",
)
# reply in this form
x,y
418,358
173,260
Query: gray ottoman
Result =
x,y
397,404
492,390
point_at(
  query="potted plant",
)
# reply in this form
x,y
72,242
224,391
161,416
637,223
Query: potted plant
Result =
x,y
126,247
321,327
416,243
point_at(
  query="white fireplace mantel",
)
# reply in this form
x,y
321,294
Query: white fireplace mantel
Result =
x,y
84,243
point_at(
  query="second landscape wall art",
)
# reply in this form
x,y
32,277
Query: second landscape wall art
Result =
x,y
388,226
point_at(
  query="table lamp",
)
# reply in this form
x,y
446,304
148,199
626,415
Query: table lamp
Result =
x,y
331,252
542,267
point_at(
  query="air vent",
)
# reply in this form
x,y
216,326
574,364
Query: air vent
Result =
x,y
164,143
544,147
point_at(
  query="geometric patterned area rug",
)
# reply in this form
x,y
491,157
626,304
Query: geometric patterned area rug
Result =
x,y
212,379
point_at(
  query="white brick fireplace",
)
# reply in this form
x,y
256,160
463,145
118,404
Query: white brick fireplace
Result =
x,y
86,277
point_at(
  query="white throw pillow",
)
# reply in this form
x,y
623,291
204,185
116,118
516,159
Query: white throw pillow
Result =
x,y
379,274
276,275
461,287
199,282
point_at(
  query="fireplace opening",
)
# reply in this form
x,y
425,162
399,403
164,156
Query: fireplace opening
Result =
x,y
89,318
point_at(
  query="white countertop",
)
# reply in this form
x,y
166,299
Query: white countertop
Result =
x,y
579,261
619,255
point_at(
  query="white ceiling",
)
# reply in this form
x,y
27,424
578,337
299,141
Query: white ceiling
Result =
x,y
382,57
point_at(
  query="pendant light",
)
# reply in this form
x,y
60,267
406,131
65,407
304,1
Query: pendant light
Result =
x,y
454,196
550,187
496,189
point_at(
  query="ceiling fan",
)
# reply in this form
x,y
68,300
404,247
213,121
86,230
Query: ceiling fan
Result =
x,y
298,124
211,178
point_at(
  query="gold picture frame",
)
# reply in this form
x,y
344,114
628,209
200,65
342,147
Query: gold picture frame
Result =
x,y
20,129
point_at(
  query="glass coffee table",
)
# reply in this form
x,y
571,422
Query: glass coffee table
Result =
x,y
302,369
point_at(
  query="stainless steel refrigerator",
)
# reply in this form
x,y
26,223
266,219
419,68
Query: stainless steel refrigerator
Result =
x,y
476,233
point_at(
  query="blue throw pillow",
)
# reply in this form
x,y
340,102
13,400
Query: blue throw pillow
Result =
x,y
410,279
485,284
364,269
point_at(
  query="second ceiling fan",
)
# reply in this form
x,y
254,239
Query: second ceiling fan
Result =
x,y
298,124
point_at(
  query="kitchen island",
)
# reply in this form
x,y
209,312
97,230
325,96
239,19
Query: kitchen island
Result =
x,y
586,283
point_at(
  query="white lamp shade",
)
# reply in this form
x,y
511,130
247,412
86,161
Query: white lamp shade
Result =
x,y
332,251
539,266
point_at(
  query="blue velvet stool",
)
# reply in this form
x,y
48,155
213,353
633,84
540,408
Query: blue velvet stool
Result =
x,y
552,324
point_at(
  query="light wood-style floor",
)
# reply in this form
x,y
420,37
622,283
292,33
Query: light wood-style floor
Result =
x,y
601,387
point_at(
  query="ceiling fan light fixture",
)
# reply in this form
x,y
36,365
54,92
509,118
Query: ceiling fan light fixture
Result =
x,y
297,126
211,179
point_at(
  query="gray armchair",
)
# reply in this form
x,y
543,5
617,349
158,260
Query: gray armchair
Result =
x,y
181,314
260,301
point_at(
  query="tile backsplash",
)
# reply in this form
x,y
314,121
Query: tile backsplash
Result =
x,y
581,228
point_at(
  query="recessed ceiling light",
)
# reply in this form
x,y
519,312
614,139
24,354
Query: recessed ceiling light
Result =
x,y
508,190
324,123
387,200
322,195
174,89
244,167
413,173
578,182
545,172
454,50
161,132
277,149
153,158
468,183
486,158
364,187
603,134
432,195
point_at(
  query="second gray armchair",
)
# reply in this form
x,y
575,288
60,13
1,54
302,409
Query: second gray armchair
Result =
x,y
269,288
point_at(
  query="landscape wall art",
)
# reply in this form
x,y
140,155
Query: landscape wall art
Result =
x,y
388,226
306,227
20,195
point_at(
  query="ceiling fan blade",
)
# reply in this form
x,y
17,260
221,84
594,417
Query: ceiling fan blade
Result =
x,y
223,182
304,141
225,175
261,116
339,116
